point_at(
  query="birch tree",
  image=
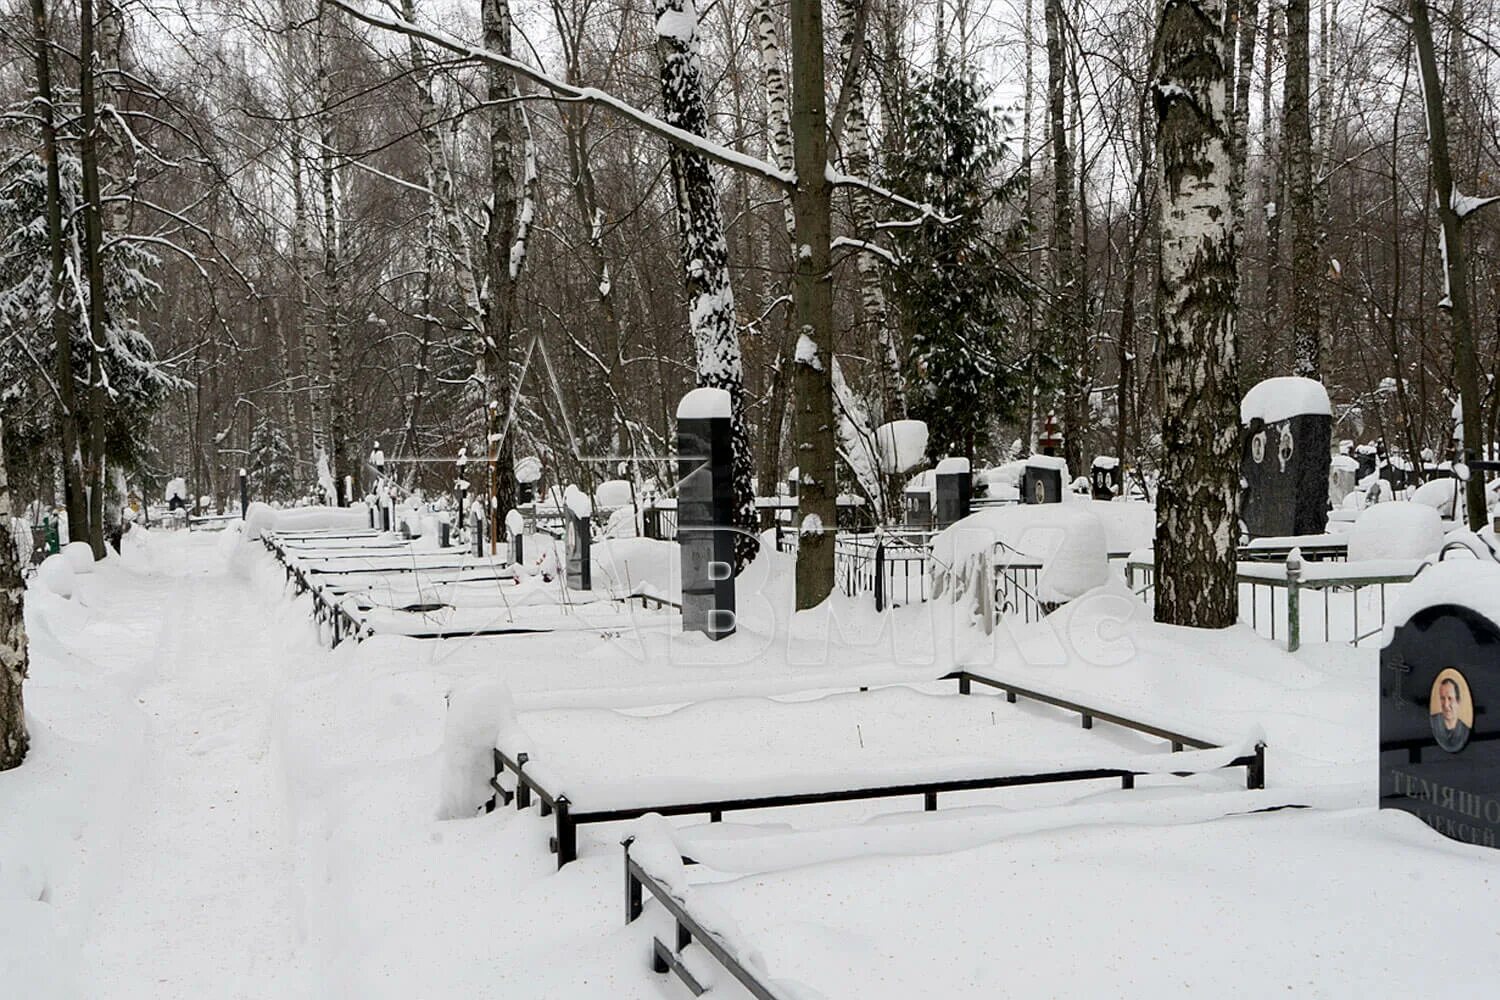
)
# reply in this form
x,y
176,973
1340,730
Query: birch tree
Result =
x,y
1198,490
14,656
705,254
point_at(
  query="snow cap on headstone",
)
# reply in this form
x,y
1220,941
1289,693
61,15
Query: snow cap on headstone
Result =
x,y
528,469
704,404
1283,398
901,444
952,466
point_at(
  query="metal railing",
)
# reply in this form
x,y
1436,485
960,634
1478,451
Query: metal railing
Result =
x,y
567,817
1274,596
638,881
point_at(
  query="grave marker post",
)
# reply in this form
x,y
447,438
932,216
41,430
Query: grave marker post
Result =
x,y
705,512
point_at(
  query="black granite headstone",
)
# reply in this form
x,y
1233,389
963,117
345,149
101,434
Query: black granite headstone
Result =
x,y
1440,723
1284,465
918,506
954,493
1104,478
705,513
1041,484
579,539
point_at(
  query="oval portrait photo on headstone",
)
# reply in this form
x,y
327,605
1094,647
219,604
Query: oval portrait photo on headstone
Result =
x,y
1451,710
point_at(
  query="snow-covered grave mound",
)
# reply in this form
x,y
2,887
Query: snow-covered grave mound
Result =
x,y
1103,890
1284,397
1067,541
1399,529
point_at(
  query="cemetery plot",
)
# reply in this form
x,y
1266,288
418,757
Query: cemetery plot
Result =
x,y
372,584
598,766
1162,900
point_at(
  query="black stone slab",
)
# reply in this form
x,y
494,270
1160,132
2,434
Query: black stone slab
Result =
x,y
705,515
1284,466
1449,777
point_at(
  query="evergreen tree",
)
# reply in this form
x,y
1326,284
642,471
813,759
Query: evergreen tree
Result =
x,y
954,279
136,380
272,473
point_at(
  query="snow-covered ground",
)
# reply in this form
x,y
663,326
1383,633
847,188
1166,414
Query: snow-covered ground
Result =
x,y
217,805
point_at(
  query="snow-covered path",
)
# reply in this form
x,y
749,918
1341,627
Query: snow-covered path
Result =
x,y
205,902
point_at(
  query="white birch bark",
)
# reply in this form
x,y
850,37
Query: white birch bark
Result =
x,y
1196,519
14,658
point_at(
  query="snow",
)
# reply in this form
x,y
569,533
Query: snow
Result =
x,y
807,352
80,557
56,574
1106,462
901,444
613,493
953,467
705,403
528,469
677,25
1471,583
214,798
176,489
578,502
1400,529
1050,462
1068,541
1344,463
1284,397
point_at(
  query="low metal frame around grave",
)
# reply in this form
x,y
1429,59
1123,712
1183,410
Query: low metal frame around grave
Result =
x,y
638,882
564,842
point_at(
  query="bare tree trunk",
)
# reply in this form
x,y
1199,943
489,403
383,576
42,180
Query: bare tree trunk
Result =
x,y
1297,144
1272,188
705,255
779,140
1451,215
812,293
14,655
338,430
493,371
859,158
93,227
1063,318
1246,13
1198,491
67,418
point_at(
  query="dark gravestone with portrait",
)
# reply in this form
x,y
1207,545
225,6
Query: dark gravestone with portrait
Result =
x,y
955,489
1042,479
1104,478
1288,430
705,512
918,506
1440,706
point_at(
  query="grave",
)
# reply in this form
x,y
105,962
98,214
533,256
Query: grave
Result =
x,y
1440,702
578,514
528,474
917,503
1343,476
1287,431
1042,479
955,488
705,511
1104,478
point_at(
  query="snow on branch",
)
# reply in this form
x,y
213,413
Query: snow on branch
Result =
x,y
1465,205
845,180
865,247
680,137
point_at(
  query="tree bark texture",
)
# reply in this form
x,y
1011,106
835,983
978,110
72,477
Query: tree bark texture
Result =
x,y
1196,520
812,294
705,253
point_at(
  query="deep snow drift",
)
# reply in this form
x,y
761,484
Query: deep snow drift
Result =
x,y
217,805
